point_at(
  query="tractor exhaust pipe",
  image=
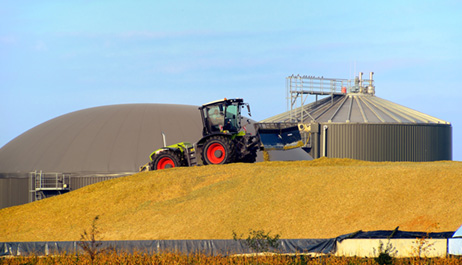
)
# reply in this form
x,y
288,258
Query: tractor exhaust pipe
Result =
x,y
163,139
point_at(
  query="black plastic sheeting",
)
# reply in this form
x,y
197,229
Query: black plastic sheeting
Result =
x,y
209,247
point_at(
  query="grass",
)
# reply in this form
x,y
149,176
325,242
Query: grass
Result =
x,y
197,258
322,198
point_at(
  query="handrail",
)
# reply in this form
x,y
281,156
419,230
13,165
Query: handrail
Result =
x,y
50,181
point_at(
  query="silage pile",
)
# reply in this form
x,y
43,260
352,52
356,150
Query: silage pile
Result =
x,y
322,198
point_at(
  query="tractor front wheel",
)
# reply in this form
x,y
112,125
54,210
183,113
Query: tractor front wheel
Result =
x,y
164,160
218,150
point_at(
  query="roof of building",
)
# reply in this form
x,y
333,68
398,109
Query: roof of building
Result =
x,y
355,108
115,138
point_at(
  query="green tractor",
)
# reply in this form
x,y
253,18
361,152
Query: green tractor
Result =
x,y
224,140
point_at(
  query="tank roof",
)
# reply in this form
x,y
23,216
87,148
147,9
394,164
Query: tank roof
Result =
x,y
355,108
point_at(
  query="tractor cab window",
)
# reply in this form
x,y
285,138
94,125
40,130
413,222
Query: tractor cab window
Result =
x,y
232,118
215,117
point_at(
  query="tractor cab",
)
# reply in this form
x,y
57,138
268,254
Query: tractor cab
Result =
x,y
222,116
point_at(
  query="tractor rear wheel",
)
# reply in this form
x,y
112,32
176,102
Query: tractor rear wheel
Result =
x,y
164,160
218,150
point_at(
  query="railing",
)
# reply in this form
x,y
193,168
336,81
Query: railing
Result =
x,y
51,181
299,87
43,185
317,85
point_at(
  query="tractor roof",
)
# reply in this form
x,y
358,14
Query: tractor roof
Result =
x,y
225,100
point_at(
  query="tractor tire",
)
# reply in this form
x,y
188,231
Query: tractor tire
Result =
x,y
249,158
246,149
218,150
164,160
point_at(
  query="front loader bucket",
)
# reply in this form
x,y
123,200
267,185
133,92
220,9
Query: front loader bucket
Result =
x,y
279,136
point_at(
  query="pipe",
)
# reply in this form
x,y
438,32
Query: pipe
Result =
x,y
324,151
371,89
163,139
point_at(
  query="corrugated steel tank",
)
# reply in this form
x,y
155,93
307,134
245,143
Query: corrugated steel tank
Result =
x,y
354,123
13,191
387,142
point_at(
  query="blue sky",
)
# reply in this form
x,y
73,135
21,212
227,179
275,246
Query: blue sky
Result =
x,y
61,56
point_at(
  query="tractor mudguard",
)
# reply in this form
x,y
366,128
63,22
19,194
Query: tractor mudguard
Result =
x,y
203,139
174,147
224,133
239,134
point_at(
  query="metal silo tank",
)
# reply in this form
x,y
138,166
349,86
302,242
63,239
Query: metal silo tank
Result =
x,y
388,142
354,123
